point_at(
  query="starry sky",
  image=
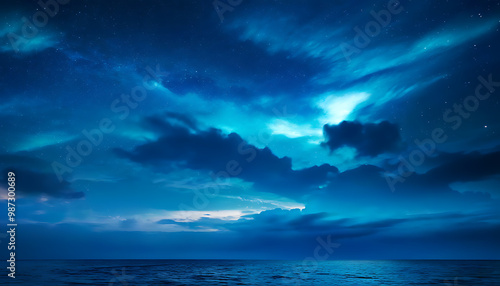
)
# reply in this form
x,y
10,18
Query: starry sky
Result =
x,y
251,129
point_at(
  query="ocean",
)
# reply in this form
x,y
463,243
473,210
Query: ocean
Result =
x,y
250,272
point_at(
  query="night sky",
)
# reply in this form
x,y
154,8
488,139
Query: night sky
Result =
x,y
252,129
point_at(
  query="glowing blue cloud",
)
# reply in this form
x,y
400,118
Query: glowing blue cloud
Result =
x,y
15,42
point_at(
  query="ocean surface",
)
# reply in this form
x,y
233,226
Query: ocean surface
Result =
x,y
244,272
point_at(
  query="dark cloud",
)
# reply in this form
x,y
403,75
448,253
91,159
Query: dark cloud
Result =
x,y
283,221
35,177
370,139
226,156
295,220
451,240
22,161
32,183
292,222
366,188
460,167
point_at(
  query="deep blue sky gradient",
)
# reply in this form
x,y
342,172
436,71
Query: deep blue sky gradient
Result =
x,y
254,136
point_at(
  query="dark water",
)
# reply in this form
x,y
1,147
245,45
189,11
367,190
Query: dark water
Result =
x,y
241,272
